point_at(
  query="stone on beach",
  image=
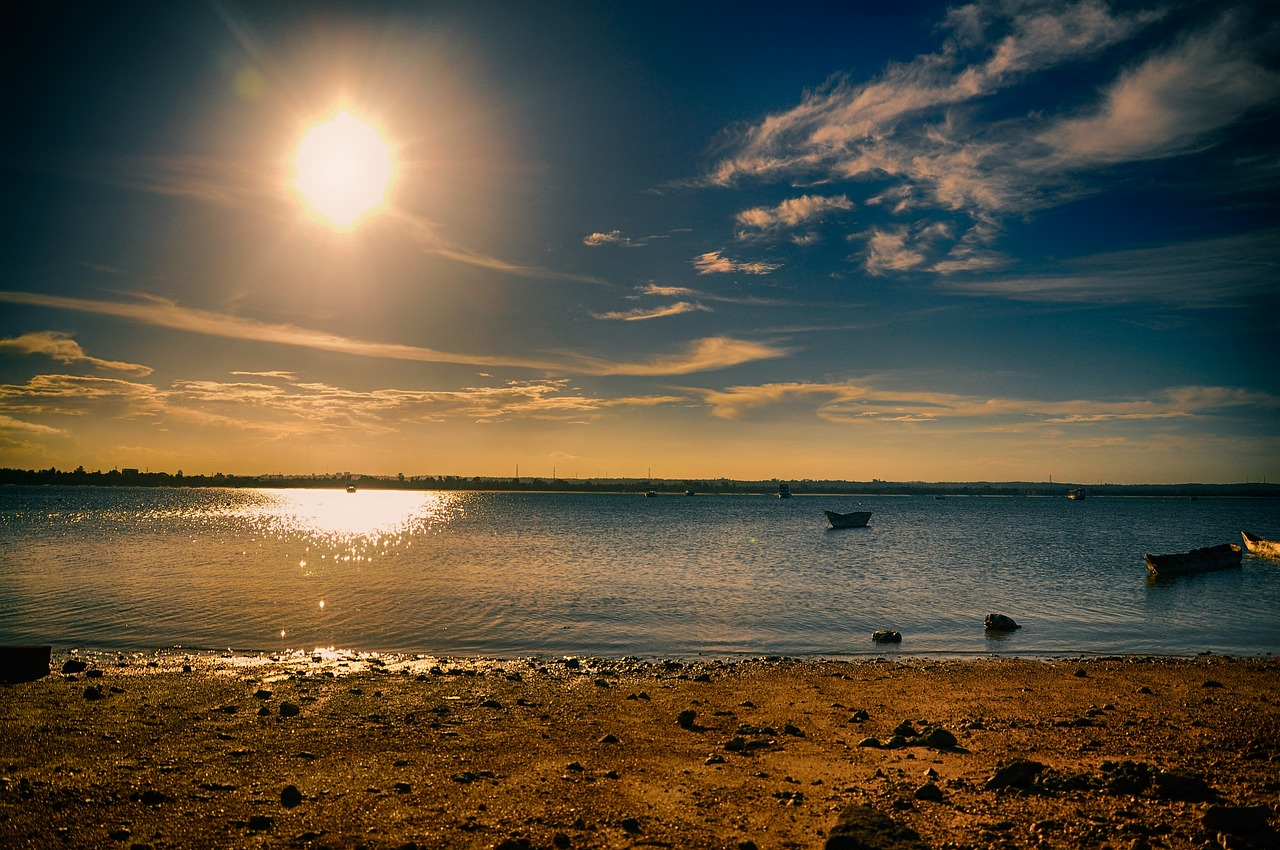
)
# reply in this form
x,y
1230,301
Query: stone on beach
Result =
x,y
24,663
862,827
886,636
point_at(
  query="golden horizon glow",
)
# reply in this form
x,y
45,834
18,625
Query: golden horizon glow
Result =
x,y
343,171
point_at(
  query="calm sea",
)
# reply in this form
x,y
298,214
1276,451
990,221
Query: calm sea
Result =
x,y
513,574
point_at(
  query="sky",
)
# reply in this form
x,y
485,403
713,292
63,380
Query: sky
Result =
x,y
987,241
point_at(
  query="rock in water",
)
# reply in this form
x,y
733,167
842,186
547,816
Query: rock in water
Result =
x,y
999,623
886,636
864,828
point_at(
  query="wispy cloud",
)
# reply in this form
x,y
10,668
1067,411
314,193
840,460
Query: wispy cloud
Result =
x,y
1174,101
284,376
702,295
853,403
640,314
709,353
935,135
426,234
714,262
1208,273
63,348
238,184
8,423
759,222
888,251
74,394
291,408
618,238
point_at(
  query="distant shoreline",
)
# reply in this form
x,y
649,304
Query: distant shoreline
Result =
x,y
677,486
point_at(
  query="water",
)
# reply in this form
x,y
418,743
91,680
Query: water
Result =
x,y
512,574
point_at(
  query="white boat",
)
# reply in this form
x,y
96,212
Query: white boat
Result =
x,y
857,519
784,490
1076,495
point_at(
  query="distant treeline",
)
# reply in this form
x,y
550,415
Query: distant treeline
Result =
x,y
137,478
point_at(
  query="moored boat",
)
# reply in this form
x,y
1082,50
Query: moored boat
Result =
x,y
784,490
857,519
351,488
1261,545
1210,559
1076,495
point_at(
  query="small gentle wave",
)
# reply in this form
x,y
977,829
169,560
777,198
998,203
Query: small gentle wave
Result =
x,y
507,574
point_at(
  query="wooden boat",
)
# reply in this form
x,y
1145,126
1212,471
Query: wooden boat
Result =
x,y
857,519
1210,559
1261,545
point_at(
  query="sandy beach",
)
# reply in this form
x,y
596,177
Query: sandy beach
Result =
x,y
349,751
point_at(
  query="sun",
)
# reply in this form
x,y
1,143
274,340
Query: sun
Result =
x,y
343,171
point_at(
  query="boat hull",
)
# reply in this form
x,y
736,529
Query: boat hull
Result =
x,y
1210,559
1261,545
857,519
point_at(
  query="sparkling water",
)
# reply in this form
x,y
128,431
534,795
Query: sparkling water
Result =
x,y
512,574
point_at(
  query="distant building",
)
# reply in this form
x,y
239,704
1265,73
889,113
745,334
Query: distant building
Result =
x,y
128,470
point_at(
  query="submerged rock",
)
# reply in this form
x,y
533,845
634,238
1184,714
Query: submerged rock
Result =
x,y
886,636
999,623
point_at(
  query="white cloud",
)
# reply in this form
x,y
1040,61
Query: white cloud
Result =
x,y
714,262
8,423
888,251
61,347
835,127
711,352
641,313
791,213
1172,102
935,136
862,403
1211,272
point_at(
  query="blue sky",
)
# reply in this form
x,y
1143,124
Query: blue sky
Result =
x,y
986,241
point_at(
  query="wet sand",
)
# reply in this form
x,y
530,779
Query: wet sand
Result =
x,y
437,753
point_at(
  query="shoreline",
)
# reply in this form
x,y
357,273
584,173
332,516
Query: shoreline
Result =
x,y
238,751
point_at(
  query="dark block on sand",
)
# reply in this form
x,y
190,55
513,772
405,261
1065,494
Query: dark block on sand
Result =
x,y
24,663
861,827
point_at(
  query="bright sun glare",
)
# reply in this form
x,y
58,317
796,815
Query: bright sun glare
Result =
x,y
343,170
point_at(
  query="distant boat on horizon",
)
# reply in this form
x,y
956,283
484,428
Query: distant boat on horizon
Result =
x,y
1076,495
784,490
351,488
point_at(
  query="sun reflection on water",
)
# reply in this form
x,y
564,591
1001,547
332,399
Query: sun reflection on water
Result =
x,y
373,517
